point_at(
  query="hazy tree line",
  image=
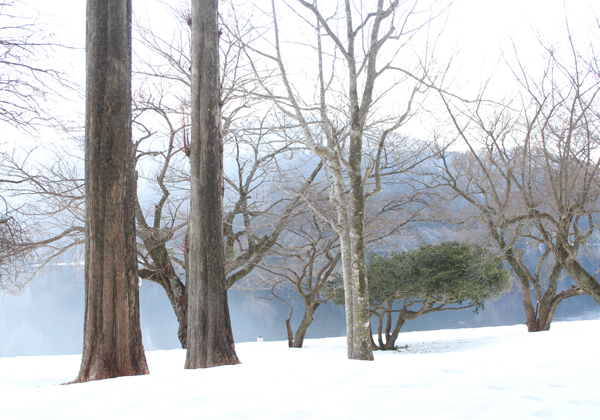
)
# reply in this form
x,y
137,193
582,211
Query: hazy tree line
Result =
x,y
317,172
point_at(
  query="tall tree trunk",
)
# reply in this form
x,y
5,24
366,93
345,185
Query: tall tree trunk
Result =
x,y
112,343
339,199
361,344
210,337
350,217
360,347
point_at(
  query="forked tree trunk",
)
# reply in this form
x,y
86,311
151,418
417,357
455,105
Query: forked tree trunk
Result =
x,y
530,311
387,338
210,337
112,343
390,339
539,317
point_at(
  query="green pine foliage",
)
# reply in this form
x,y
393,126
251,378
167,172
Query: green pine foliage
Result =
x,y
445,276
453,271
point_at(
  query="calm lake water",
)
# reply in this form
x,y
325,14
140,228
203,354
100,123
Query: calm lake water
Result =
x,y
47,319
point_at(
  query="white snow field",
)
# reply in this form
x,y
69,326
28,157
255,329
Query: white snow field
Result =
x,y
482,373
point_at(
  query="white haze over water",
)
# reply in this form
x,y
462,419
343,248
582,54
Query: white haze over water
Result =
x,y
482,373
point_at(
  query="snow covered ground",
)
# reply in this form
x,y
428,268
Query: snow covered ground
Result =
x,y
482,373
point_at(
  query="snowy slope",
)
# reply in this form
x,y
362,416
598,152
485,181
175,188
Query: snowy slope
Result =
x,y
483,373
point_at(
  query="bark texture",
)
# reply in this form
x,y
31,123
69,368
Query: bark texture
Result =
x,y
566,255
166,276
307,320
538,317
112,335
210,337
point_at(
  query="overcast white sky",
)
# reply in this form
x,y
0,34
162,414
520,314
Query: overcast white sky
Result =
x,y
479,29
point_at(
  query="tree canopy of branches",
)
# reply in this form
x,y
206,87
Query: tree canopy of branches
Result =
x,y
530,173
305,257
352,45
44,206
254,213
558,175
484,194
12,254
442,277
25,81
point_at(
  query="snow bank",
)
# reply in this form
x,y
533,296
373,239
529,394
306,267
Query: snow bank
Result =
x,y
481,373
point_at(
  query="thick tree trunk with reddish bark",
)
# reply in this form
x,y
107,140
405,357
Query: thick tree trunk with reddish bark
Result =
x,y
210,337
112,335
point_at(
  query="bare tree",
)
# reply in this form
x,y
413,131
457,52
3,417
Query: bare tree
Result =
x,y
480,182
112,335
352,45
254,213
46,217
25,83
306,257
308,251
558,181
162,224
25,86
531,175
12,253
